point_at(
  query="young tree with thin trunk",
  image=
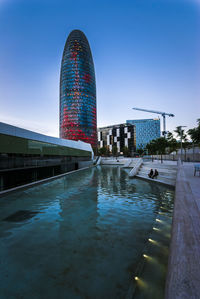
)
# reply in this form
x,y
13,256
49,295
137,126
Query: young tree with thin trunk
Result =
x,y
159,146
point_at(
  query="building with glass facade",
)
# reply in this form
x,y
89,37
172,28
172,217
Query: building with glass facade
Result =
x,y
122,135
146,130
78,91
27,156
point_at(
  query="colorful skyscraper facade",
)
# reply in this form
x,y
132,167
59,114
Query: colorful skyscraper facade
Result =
x,y
78,91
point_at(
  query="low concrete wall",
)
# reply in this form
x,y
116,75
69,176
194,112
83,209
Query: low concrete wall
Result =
x,y
183,278
10,178
83,164
188,157
113,161
23,187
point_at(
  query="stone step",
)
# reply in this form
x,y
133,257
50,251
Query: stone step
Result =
x,y
127,163
159,177
147,170
165,182
154,165
167,173
161,174
159,168
131,163
161,164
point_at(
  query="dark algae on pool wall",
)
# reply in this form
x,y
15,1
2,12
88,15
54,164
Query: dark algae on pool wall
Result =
x,y
94,232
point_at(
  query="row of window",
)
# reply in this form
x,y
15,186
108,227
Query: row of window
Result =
x,y
79,93
76,83
72,64
78,100
89,119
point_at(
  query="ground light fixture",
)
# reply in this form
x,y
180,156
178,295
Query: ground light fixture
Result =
x,y
158,220
136,278
156,229
153,241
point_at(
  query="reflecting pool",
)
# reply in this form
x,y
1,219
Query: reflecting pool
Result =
x,y
86,235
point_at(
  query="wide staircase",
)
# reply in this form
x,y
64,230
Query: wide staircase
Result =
x,y
131,162
167,172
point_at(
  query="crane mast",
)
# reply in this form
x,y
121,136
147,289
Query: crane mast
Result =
x,y
164,132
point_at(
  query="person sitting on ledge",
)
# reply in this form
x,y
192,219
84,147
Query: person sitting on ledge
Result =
x,y
150,173
155,174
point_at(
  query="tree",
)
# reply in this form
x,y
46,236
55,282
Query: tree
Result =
x,y
151,148
103,151
126,151
170,136
183,137
172,143
179,132
114,150
195,133
107,151
185,144
159,146
140,151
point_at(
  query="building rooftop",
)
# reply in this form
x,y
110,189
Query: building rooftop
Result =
x,y
117,126
23,133
143,120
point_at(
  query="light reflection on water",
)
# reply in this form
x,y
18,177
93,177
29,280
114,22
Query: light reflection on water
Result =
x,y
87,239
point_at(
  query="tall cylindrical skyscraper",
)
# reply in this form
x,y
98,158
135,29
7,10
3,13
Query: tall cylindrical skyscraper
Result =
x,y
78,91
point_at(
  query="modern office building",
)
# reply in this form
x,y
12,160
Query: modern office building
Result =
x,y
121,135
146,130
26,156
78,91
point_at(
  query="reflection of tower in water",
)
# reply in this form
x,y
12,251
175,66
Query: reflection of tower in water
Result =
x,y
77,233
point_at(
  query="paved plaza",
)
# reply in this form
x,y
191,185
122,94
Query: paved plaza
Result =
x,y
183,279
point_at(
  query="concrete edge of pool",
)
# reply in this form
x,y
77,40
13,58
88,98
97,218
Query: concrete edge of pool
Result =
x,y
32,184
183,277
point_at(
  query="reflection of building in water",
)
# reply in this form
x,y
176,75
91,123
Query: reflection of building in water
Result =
x,y
99,227
113,180
78,235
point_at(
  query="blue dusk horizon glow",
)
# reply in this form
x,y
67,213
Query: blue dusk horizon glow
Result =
x,y
145,52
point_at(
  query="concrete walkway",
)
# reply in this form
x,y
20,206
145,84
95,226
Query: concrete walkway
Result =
x,y
193,180
183,279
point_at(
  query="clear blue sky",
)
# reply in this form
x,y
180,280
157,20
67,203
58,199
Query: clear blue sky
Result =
x,y
146,54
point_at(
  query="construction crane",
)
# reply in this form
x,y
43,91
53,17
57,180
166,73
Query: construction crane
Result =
x,y
158,112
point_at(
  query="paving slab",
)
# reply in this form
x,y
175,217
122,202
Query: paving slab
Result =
x,y
183,278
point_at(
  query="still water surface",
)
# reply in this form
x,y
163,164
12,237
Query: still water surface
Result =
x,y
83,236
